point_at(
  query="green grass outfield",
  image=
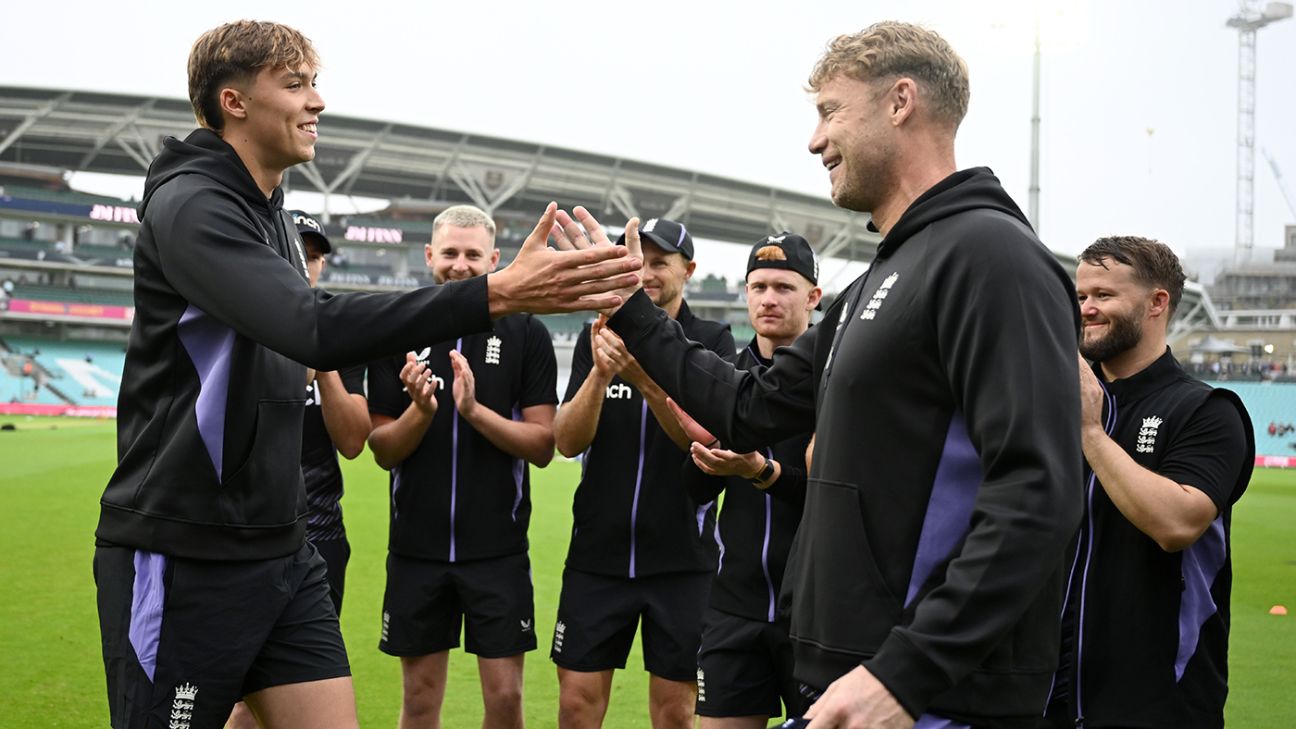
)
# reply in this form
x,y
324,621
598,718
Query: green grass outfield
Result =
x,y
53,470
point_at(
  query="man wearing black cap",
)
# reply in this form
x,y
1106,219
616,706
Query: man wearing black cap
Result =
x,y
640,547
745,664
336,421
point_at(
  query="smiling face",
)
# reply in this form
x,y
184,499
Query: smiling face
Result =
x,y
458,253
278,113
1114,308
854,142
779,303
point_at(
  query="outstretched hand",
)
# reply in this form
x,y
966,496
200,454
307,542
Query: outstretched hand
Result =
x,y
577,276
584,231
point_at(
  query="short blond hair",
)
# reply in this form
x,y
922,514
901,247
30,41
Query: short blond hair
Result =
x,y
893,49
236,52
464,216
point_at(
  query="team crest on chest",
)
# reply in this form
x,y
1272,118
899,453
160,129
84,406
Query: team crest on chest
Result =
x,y
875,303
1147,434
493,350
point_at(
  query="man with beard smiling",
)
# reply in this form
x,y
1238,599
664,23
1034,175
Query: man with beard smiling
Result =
x,y
1145,623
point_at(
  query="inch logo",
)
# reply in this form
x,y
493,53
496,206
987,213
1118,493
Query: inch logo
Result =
x,y
619,391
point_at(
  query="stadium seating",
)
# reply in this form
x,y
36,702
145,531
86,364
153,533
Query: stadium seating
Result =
x,y
83,373
49,292
1269,402
22,245
64,196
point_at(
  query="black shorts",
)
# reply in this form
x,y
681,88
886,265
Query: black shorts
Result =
x,y
185,639
336,554
597,617
426,602
745,669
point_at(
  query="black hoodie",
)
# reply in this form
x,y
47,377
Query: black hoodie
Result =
x,y
946,480
209,418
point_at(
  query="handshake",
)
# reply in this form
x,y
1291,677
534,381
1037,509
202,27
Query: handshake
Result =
x,y
581,271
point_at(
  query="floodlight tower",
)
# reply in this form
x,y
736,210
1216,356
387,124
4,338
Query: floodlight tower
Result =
x,y
1248,20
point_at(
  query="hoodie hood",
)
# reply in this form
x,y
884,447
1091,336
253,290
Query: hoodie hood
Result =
x,y
970,189
203,152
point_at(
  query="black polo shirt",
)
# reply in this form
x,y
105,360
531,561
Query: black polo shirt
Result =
x,y
457,497
1145,631
632,516
320,464
756,527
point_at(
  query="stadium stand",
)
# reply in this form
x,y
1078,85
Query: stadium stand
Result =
x,y
50,292
26,192
1269,403
22,245
74,372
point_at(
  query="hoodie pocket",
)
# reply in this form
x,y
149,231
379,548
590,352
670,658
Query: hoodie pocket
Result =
x,y
841,601
266,489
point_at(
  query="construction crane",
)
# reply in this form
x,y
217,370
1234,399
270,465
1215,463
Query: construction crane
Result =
x,y
1248,20
1282,184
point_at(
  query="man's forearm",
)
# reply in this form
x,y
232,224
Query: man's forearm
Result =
x,y
1172,514
577,419
394,440
532,442
656,399
346,415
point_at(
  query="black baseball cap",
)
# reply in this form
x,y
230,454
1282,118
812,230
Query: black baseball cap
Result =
x,y
787,251
306,225
667,235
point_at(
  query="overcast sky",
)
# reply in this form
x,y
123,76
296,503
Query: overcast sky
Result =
x,y
1139,96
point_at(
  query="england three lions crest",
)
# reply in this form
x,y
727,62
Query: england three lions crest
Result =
x,y
1147,434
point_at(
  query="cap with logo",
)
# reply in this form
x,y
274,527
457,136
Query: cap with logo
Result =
x,y
787,251
667,235
306,225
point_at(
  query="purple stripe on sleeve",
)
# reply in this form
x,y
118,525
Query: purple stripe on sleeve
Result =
x,y
949,508
1201,564
208,343
148,593
395,488
519,470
